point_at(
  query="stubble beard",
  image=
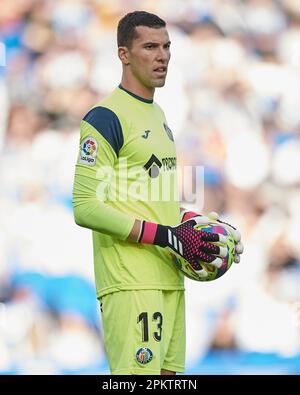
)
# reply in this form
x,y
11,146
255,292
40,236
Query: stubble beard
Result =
x,y
158,83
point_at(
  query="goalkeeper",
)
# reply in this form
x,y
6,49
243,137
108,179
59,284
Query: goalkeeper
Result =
x,y
126,152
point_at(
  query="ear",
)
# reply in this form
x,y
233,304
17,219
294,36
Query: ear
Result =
x,y
124,55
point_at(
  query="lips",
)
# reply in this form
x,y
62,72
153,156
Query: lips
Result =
x,y
161,69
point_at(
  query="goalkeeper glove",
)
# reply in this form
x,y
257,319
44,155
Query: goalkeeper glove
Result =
x,y
214,217
184,240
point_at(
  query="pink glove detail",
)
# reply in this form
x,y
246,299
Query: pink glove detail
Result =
x,y
185,215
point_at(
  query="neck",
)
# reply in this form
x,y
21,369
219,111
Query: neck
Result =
x,y
137,88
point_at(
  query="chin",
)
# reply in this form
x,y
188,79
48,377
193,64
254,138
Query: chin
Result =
x,y
159,84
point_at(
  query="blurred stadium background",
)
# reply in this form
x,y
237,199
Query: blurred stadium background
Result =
x,y
232,99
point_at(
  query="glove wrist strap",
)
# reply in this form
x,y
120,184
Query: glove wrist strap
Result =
x,y
152,233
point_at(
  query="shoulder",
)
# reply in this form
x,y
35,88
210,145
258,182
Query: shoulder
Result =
x,y
107,123
100,116
106,110
159,110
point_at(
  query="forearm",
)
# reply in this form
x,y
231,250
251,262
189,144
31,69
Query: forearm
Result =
x,y
135,231
93,213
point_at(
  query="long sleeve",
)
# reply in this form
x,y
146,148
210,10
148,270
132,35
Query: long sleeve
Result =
x,y
100,141
90,212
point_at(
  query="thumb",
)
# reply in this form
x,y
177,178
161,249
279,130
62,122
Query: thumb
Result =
x,y
213,216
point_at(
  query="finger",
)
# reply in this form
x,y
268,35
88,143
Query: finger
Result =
x,y
199,269
213,249
209,258
213,237
213,216
217,262
201,220
236,235
239,248
236,258
232,230
202,273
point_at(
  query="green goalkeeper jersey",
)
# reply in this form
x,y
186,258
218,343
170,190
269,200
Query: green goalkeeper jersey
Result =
x,y
126,169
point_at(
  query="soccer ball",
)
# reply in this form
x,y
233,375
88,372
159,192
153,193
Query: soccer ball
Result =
x,y
206,271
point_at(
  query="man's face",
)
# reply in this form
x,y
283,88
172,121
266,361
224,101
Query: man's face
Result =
x,y
149,56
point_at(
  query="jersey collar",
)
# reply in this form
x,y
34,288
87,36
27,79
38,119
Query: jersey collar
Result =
x,y
149,101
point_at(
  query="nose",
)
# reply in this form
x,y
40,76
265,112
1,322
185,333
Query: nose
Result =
x,y
163,54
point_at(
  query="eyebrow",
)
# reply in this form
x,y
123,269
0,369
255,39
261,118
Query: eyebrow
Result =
x,y
155,43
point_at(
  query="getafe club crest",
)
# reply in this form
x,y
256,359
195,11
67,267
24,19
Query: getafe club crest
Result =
x,y
144,355
169,132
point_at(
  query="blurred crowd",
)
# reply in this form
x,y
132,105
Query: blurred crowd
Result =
x,y
231,100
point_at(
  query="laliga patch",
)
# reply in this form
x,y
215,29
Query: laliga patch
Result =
x,y
88,152
144,355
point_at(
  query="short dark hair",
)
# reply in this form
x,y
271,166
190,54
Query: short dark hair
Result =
x,y
126,27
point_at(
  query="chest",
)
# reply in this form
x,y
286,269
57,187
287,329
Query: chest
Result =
x,y
150,143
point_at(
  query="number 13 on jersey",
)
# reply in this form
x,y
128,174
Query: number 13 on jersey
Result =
x,y
143,320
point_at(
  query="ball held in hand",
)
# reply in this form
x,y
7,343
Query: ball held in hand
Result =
x,y
206,271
